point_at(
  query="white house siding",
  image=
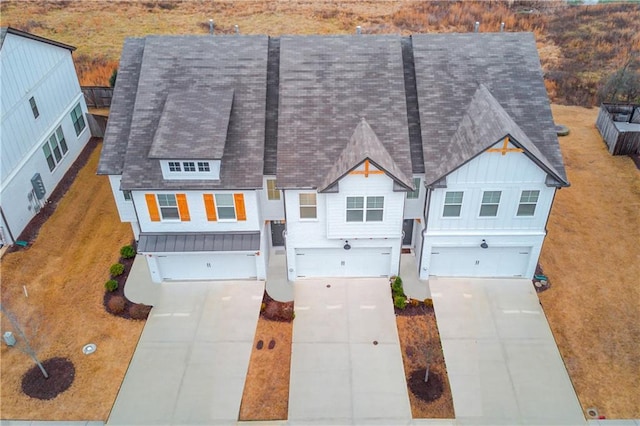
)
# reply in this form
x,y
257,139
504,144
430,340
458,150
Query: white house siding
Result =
x,y
271,209
414,207
507,235
330,230
46,72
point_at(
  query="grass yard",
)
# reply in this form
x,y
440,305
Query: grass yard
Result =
x,y
64,272
592,257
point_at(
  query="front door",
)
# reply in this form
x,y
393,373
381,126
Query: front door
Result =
x,y
277,233
407,231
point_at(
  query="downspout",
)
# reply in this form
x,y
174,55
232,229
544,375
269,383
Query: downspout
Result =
x,y
4,220
286,224
427,204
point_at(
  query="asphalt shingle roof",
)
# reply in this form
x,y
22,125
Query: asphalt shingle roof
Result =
x,y
205,64
449,69
327,85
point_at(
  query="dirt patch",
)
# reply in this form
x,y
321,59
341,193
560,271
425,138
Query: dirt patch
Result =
x,y
591,254
429,390
61,374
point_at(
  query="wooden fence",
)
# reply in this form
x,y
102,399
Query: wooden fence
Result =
x,y
97,96
622,138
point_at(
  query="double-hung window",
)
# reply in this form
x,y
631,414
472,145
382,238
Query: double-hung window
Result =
x,y
226,207
490,203
272,192
308,206
55,148
78,119
365,209
528,201
452,204
168,206
34,107
416,193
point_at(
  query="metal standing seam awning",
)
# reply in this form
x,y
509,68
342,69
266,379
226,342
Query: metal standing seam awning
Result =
x,y
198,242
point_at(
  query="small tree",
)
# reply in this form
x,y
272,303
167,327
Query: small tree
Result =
x,y
623,86
27,347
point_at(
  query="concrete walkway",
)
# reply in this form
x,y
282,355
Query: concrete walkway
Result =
x,y
413,287
192,359
278,286
339,374
502,361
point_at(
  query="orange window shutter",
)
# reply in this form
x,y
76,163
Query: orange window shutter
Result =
x,y
241,213
152,206
210,207
183,207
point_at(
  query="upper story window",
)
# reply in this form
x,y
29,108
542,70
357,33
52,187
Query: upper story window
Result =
x,y
528,201
272,192
414,194
127,195
226,206
452,203
359,211
34,107
189,166
168,206
490,203
308,206
55,148
203,166
174,166
78,119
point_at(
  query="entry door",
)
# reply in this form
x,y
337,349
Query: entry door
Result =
x,y
407,229
277,233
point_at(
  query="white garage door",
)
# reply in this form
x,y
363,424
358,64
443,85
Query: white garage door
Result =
x,y
207,266
357,262
479,262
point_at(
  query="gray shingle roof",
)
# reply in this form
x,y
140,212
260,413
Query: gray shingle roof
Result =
x,y
449,69
363,145
271,125
327,84
116,136
200,117
205,64
201,241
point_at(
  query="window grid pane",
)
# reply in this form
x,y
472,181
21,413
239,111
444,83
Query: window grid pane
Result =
x,y
203,166
308,208
490,201
375,202
272,192
415,194
528,201
174,166
452,204
355,209
375,206
226,207
189,166
168,206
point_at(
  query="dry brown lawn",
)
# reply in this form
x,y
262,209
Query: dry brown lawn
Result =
x,y
266,389
413,331
64,272
592,257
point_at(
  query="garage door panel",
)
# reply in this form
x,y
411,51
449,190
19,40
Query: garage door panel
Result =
x,y
358,262
207,266
479,262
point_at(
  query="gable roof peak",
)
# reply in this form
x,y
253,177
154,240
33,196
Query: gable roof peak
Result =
x,y
364,145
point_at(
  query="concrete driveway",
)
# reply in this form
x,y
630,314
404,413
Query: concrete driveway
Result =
x,y
338,374
192,359
503,363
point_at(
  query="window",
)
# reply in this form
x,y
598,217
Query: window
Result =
x,y
490,202
189,166
375,206
272,192
127,195
34,107
55,148
528,201
226,206
203,166
414,194
355,209
308,206
168,206
78,119
174,166
452,204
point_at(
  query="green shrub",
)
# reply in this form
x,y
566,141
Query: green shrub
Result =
x,y
428,303
396,287
116,269
111,285
127,252
116,305
139,311
400,302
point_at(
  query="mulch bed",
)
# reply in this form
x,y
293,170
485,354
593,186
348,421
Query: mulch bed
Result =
x,y
413,309
129,310
61,374
30,233
426,391
273,310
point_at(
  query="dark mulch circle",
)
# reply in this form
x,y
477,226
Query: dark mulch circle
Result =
x,y
276,311
429,391
61,374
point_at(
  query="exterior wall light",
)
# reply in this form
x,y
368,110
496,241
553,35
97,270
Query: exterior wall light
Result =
x,y
346,245
484,244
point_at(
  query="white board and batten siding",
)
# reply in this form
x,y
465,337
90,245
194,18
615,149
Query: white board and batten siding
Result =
x,y
31,68
452,244
271,209
315,247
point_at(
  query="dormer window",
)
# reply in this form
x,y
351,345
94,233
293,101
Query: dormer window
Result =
x,y
190,169
189,166
174,166
203,166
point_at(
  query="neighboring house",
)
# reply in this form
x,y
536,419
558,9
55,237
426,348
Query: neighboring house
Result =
x,y
43,127
341,151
